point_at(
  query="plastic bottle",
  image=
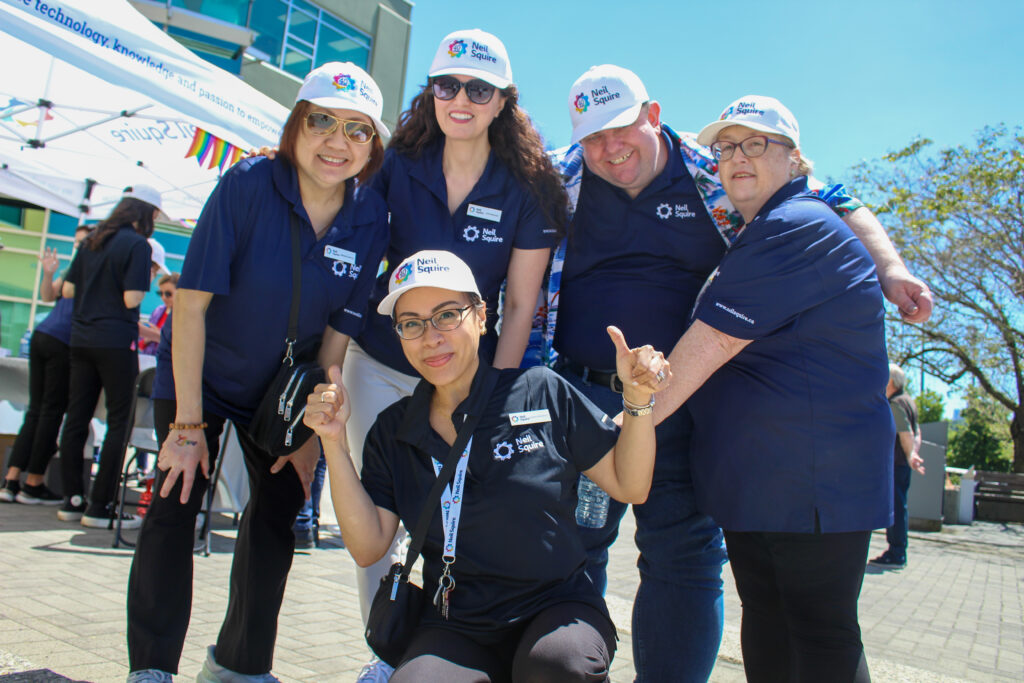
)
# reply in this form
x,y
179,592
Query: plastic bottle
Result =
x,y
26,341
592,509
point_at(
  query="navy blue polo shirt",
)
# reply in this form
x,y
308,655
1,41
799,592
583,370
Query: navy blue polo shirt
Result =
x,y
163,378
57,322
795,426
122,264
635,263
499,214
518,550
240,251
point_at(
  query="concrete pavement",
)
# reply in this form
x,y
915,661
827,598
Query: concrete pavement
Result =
x,y
955,613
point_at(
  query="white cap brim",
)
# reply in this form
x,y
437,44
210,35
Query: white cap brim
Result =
x,y
623,118
339,103
497,81
709,133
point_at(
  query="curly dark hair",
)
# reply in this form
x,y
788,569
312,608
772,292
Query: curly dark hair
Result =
x,y
515,142
129,211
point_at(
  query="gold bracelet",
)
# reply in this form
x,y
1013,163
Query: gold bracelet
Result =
x,y
635,410
185,426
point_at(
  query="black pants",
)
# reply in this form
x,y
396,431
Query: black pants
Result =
x,y
92,370
160,584
567,643
48,373
799,594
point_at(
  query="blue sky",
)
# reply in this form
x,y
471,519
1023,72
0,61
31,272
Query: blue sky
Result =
x,y
862,78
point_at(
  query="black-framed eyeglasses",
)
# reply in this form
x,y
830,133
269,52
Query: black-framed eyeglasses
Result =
x,y
322,123
478,90
445,321
752,147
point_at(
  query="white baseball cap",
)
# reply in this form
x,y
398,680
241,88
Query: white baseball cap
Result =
x,y
476,53
159,256
145,193
606,96
343,85
764,114
441,269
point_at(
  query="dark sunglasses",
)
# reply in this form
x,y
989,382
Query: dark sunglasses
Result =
x,y
321,123
447,87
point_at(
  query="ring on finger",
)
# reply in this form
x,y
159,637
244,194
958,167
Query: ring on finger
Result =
x,y
660,376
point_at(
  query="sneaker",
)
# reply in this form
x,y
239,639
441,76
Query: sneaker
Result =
x,y
303,538
9,490
215,673
150,676
887,560
38,495
72,509
375,671
103,520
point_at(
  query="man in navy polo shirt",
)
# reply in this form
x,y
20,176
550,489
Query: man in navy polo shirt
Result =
x,y
651,223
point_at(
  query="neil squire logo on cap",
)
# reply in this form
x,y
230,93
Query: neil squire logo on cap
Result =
x,y
478,51
582,103
421,266
457,48
344,82
742,109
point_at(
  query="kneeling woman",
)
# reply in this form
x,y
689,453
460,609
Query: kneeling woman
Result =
x,y
522,607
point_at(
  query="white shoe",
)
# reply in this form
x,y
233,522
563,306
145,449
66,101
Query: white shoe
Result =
x,y
213,672
375,672
127,521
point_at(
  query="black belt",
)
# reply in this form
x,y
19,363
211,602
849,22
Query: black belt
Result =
x,y
605,379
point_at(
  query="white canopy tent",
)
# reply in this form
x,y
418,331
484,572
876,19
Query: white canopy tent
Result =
x,y
94,97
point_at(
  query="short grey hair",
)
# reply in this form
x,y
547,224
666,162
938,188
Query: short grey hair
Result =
x,y
897,377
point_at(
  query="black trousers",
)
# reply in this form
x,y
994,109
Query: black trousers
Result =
x,y
799,594
160,584
568,642
92,370
48,372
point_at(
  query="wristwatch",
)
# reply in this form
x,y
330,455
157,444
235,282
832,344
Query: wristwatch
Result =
x,y
635,410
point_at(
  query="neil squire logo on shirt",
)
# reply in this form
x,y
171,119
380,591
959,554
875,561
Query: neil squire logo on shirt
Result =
x,y
526,443
734,312
666,211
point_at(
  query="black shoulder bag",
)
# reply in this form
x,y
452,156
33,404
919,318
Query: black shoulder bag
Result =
x,y
276,425
397,605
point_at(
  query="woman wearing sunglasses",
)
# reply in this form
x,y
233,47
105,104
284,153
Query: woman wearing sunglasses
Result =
x,y
465,172
230,322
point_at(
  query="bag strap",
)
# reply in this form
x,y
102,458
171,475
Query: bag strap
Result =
x,y
293,311
419,534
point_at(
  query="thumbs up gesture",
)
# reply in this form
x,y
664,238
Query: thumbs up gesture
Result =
x,y
327,408
643,370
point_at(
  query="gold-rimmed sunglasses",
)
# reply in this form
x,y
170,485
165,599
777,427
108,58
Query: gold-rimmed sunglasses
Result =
x,y
322,123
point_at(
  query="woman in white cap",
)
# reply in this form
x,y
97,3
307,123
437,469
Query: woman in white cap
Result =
x,y
230,324
465,172
517,603
107,279
784,369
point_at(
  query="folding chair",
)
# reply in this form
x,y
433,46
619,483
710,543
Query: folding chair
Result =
x,y
142,438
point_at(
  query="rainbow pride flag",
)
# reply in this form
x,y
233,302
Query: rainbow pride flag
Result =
x,y
211,150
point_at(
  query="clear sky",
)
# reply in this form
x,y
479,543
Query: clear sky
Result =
x,y
863,78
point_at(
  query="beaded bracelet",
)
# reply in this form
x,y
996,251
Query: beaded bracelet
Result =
x,y
185,426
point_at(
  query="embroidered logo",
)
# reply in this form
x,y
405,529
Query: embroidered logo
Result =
x,y
504,451
340,268
457,48
403,273
582,103
471,233
353,271
664,211
344,82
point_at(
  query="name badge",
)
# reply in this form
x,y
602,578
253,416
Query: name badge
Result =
x,y
529,417
339,254
493,215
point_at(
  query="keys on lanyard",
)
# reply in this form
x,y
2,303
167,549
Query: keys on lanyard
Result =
x,y
445,586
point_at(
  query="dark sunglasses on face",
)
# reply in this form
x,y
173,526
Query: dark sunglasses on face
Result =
x,y
447,87
166,295
322,123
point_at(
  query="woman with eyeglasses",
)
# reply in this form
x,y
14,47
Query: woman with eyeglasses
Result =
x,y
784,371
231,314
149,332
465,172
517,603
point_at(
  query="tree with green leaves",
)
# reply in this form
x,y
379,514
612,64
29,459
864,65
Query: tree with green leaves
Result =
x,y
957,217
930,406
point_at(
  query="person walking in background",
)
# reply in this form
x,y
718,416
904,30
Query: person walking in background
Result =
x,y
48,373
906,457
108,279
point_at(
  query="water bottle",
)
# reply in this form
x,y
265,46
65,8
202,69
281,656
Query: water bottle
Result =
x,y
26,341
592,509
